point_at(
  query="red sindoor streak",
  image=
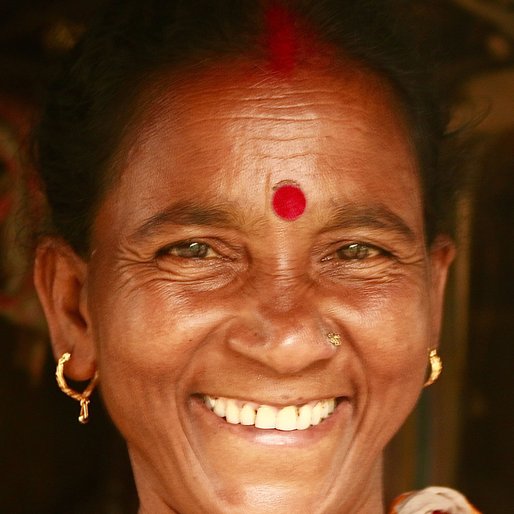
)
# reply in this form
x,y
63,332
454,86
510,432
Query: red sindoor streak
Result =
x,y
282,39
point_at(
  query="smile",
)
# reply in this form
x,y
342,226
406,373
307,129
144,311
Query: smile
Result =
x,y
267,417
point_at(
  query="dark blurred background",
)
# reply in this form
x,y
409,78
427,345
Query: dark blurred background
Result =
x,y
461,435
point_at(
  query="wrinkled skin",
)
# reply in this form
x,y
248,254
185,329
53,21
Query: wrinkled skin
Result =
x,y
248,318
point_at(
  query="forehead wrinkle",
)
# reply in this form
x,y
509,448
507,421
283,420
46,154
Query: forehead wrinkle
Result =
x,y
180,100
288,108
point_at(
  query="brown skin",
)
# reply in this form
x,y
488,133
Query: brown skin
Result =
x,y
249,320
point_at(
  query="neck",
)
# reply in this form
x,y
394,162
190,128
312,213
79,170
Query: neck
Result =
x,y
370,499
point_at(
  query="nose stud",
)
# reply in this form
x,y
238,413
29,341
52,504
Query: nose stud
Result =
x,y
334,339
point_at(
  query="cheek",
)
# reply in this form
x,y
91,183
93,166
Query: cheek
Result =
x,y
394,361
145,345
389,339
390,334
148,333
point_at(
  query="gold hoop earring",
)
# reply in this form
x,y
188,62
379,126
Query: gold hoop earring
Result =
x,y
334,339
82,397
436,367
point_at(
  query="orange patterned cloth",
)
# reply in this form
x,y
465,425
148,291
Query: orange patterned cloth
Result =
x,y
432,500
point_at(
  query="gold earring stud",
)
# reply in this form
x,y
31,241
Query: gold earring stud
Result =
x,y
82,397
334,339
436,367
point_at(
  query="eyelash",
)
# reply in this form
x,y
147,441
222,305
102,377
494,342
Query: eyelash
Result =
x,y
199,246
357,252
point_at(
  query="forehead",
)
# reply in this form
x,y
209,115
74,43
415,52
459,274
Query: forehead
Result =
x,y
244,91
217,130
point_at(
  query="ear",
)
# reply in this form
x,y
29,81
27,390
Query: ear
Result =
x,y
442,253
60,277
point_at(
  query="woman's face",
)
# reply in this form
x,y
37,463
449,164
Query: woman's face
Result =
x,y
198,290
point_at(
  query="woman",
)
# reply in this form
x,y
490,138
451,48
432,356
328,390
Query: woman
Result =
x,y
246,248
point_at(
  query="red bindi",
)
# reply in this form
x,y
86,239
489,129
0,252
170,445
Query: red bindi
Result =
x,y
289,202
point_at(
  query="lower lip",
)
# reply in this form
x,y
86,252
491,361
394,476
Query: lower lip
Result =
x,y
274,437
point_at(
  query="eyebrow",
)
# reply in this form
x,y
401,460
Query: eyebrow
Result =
x,y
348,216
376,216
183,213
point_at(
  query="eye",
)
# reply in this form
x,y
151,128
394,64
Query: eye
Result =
x,y
189,250
358,251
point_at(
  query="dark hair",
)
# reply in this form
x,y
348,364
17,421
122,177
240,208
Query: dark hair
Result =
x,y
94,99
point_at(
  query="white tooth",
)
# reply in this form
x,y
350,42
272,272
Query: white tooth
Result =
x,y
304,417
232,412
266,417
324,409
247,414
316,414
219,407
286,418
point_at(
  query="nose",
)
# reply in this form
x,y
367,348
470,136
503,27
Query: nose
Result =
x,y
286,341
